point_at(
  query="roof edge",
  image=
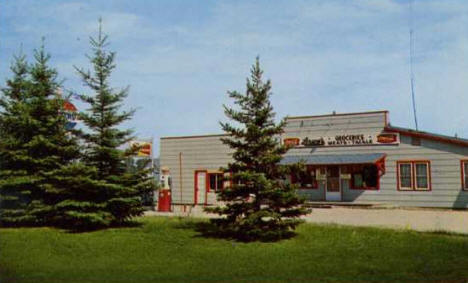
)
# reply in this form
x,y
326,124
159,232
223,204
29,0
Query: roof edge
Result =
x,y
426,135
192,137
337,114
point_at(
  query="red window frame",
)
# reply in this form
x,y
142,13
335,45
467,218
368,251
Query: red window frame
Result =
x,y
414,187
314,184
463,174
208,182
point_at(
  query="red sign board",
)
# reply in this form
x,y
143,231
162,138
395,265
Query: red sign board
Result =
x,y
291,141
387,138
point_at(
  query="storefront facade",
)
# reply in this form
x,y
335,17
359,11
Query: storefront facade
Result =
x,y
352,157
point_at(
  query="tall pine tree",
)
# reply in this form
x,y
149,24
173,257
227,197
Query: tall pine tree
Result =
x,y
104,139
258,204
16,185
39,157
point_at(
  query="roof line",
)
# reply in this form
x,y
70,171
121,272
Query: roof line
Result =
x,y
427,135
190,137
337,114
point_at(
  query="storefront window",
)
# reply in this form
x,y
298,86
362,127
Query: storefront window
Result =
x,y
364,177
305,179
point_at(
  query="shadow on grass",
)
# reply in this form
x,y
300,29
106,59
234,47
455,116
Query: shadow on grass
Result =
x,y
7,276
214,230
89,229
79,228
444,233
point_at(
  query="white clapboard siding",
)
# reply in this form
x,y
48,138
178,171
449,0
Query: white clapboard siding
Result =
x,y
209,153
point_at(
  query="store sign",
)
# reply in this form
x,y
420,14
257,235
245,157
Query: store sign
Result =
x,y
71,114
387,138
292,141
344,140
142,148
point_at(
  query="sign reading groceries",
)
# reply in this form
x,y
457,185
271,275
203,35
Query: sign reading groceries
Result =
x,y
344,140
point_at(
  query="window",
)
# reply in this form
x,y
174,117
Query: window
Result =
x,y
415,141
305,179
363,176
464,174
422,176
215,182
406,180
414,175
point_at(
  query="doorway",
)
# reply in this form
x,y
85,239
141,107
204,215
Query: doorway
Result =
x,y
200,187
333,187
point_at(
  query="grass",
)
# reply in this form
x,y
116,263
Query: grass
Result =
x,y
169,249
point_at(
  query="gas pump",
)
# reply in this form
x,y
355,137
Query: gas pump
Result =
x,y
164,196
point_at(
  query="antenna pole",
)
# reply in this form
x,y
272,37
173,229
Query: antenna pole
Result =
x,y
411,63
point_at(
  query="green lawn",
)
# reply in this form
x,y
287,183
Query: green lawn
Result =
x,y
168,249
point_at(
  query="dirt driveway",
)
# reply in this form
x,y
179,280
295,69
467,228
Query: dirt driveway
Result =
x,y
397,218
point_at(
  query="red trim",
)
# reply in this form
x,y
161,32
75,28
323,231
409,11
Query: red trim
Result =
x,y
462,168
427,136
413,175
398,175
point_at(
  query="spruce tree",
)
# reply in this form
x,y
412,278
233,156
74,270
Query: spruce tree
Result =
x,y
104,139
259,205
39,157
16,185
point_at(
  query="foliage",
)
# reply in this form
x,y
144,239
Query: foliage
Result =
x,y
121,195
16,186
258,204
38,154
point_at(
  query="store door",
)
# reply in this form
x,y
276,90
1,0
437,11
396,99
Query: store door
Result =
x,y
200,187
333,188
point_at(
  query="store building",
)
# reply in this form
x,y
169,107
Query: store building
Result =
x,y
351,157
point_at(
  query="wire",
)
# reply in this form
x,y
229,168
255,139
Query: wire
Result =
x,y
411,62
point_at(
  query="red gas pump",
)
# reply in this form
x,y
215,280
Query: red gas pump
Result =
x,y
164,197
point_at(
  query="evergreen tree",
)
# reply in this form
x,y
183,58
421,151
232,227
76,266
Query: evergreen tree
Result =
x,y
258,203
105,139
38,154
15,181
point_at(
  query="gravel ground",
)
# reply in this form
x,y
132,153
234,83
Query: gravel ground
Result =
x,y
398,218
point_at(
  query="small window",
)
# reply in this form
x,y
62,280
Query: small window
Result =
x,y
422,176
215,181
305,179
464,172
406,179
414,175
415,141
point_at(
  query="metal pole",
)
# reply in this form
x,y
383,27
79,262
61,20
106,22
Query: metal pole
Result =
x,y
180,175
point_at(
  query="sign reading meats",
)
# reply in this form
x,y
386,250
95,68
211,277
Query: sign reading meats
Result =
x,y
344,140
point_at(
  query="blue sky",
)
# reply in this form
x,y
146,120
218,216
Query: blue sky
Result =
x,y
180,57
